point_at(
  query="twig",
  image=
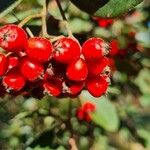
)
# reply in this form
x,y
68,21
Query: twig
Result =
x,y
64,19
73,144
44,14
27,19
29,32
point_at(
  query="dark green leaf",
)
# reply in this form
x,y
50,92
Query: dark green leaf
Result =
x,y
106,8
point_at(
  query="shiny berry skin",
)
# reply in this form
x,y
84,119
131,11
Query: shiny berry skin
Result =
x,y
97,86
30,69
66,50
13,62
52,89
39,49
13,81
3,64
96,67
114,47
77,70
73,88
12,38
94,48
76,88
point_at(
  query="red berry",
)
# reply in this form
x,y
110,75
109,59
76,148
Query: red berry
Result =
x,y
76,88
80,113
13,62
13,81
39,49
94,48
53,88
31,70
96,67
66,50
73,88
77,70
114,48
89,107
87,117
104,22
112,64
12,38
97,86
3,64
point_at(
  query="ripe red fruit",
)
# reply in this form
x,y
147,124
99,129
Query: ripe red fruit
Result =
x,y
72,88
80,113
97,86
94,48
89,107
66,50
52,88
12,38
13,81
76,88
39,49
13,62
96,67
114,47
104,22
77,70
3,64
83,113
30,69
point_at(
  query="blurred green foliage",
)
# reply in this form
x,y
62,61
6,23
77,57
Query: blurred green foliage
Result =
x,y
122,117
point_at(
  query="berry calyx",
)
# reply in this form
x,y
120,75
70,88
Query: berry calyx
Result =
x,y
31,70
66,50
77,70
94,48
97,86
12,38
39,49
3,64
13,81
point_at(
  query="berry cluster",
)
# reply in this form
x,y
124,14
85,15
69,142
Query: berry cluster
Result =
x,y
83,112
64,68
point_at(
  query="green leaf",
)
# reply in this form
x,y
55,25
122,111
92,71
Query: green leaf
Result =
x,y
106,8
105,114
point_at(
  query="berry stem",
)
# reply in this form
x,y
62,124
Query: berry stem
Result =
x,y
64,18
27,19
29,32
44,14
